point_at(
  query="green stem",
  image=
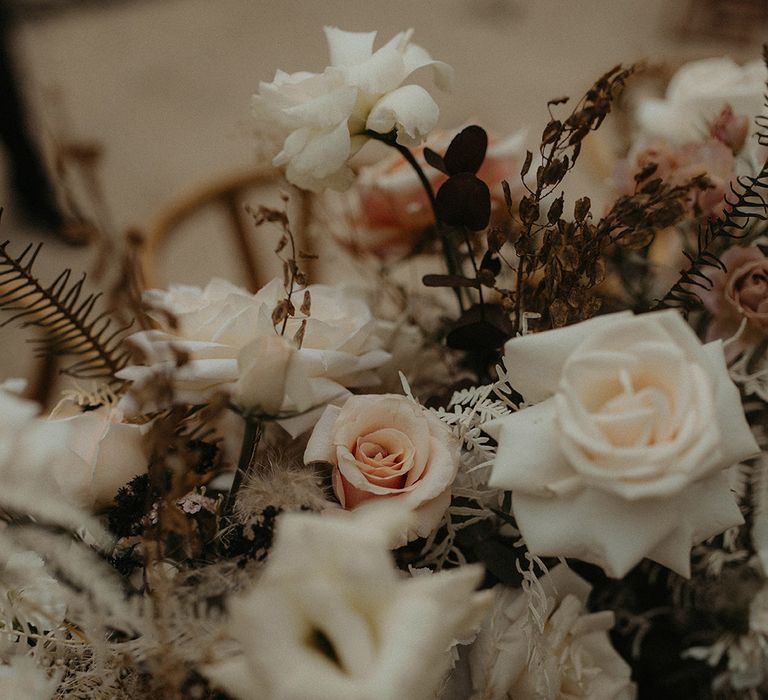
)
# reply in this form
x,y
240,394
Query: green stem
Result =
x,y
449,253
251,439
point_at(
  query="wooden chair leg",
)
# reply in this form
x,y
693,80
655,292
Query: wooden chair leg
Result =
x,y
235,214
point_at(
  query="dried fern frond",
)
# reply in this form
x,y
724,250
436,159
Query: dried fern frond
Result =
x,y
64,314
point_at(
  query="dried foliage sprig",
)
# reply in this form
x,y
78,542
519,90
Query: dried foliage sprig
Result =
x,y
559,150
294,278
65,314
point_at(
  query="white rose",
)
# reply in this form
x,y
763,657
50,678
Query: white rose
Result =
x,y
231,344
106,454
575,658
697,94
331,618
323,117
624,457
31,450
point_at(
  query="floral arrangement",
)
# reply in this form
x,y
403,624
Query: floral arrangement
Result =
x,y
538,472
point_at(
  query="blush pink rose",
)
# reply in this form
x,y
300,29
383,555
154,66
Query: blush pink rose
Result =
x,y
730,128
737,294
678,164
388,447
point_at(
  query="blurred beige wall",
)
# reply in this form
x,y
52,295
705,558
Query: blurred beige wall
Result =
x,y
165,85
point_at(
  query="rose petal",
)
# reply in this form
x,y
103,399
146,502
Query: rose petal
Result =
x,y
534,362
737,441
528,458
320,445
416,57
409,109
348,48
263,368
325,111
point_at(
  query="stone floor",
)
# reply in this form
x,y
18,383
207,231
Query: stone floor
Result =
x,y
164,85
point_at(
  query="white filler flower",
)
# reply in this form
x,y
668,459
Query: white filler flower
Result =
x,y
323,117
624,457
332,619
573,657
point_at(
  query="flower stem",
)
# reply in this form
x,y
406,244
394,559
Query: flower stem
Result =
x,y
449,252
251,438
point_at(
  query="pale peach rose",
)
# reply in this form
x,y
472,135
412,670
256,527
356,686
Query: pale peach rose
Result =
x,y
388,447
390,208
737,294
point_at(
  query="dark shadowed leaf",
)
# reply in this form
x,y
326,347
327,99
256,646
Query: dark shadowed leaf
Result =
x,y
448,281
495,239
480,328
435,160
551,132
467,151
526,164
500,559
491,263
646,172
464,200
507,194
581,209
555,211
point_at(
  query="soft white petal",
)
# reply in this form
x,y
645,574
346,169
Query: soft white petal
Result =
x,y
382,72
320,446
409,109
534,362
348,48
737,441
529,458
327,110
324,153
416,57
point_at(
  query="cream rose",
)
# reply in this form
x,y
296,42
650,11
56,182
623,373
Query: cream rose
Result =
x,y
232,345
574,657
387,446
106,454
331,618
323,117
624,457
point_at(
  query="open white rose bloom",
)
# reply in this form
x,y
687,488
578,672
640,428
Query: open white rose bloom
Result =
x,y
335,620
233,345
323,117
623,456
